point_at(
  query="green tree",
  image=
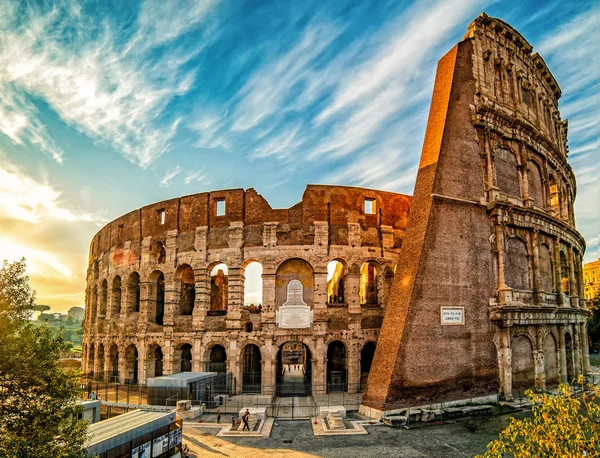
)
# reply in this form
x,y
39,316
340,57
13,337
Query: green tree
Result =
x,y
594,320
39,406
565,425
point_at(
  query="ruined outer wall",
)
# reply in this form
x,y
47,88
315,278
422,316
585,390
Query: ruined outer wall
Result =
x,y
491,230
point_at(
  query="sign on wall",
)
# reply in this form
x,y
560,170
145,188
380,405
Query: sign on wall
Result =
x,y
174,438
452,316
143,451
294,314
160,445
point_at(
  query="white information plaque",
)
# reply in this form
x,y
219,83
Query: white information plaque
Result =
x,y
294,314
452,316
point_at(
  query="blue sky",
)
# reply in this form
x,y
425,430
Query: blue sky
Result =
x,y
109,106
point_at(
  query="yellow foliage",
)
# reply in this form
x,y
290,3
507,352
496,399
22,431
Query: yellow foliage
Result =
x,y
565,425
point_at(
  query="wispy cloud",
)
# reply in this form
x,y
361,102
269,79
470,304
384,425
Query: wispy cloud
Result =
x,y
169,175
26,199
95,77
197,176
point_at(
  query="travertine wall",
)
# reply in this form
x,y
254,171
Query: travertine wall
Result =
x,y
491,231
135,261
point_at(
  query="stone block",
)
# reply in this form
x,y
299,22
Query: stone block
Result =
x,y
256,413
326,410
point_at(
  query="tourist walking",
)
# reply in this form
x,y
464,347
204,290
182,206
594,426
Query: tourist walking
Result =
x,y
218,415
245,419
232,421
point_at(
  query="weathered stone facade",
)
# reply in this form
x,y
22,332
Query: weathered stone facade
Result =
x,y
486,282
491,236
150,294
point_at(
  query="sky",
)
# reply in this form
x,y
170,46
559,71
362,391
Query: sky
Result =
x,y
107,106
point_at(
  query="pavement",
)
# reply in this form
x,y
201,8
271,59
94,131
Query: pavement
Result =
x,y
295,439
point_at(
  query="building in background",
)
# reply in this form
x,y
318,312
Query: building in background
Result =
x,y
591,280
77,313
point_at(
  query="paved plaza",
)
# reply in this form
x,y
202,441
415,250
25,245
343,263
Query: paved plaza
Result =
x,y
295,439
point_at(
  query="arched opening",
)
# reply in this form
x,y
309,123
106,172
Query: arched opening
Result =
x,y
219,288
158,253
252,369
294,370
131,357
116,297
369,276
536,188
550,361
113,363
565,273
99,372
507,173
133,292
157,296
522,363
217,359
570,356
253,285
554,195
336,367
187,291
103,298
94,304
91,361
366,360
516,264
336,273
546,268
290,270
154,361
186,358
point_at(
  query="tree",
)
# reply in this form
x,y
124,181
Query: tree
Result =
x,y
39,406
594,320
565,425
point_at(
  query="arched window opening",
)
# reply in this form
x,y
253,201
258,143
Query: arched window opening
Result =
x,y
154,361
133,292
248,326
336,282
507,173
116,296
131,357
368,292
158,253
114,363
253,286
290,270
336,367
188,290
157,295
103,298
99,373
546,269
294,370
516,268
536,188
219,288
554,196
550,361
522,363
252,368
366,360
565,273
217,359
186,358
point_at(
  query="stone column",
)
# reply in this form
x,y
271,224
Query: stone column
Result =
x,y
98,363
536,266
268,289
147,305
107,361
572,283
319,367
167,357
320,291
353,364
539,363
122,364
197,363
352,292
577,359
141,349
172,293
202,300
563,355
506,363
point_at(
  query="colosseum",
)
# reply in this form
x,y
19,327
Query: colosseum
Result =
x,y
471,287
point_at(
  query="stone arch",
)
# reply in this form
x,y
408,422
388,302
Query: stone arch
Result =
x,y
553,194
91,356
115,302
103,298
536,183
294,269
156,297
565,272
337,369
369,290
185,280
133,292
182,357
550,360
113,362
366,360
294,360
158,253
216,358
506,170
251,368
336,281
99,360
569,352
252,273
131,364
94,304
523,372
219,287
516,266
154,361
546,267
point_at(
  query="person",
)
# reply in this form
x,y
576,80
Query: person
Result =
x,y
232,421
93,396
245,420
219,416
